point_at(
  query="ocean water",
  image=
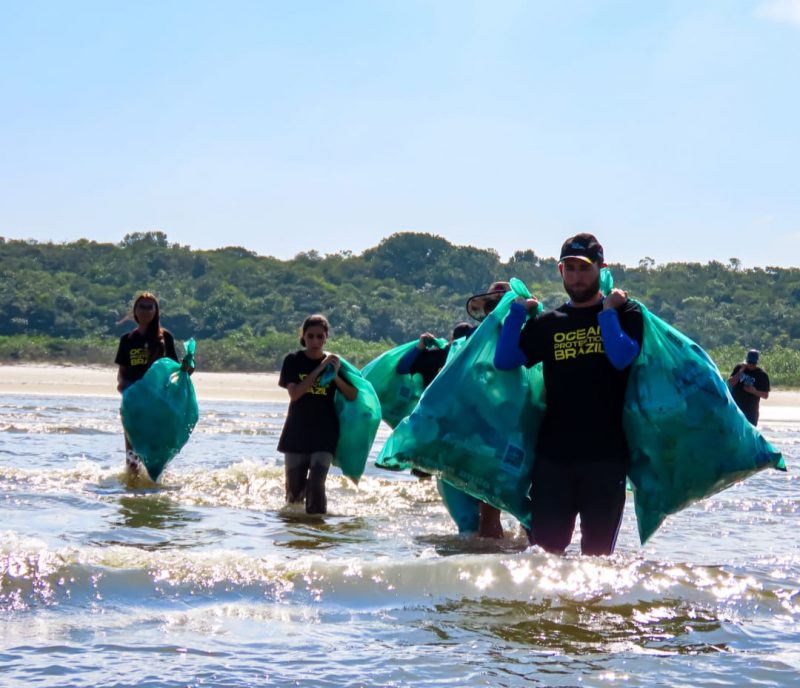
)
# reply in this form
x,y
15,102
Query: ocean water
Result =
x,y
205,580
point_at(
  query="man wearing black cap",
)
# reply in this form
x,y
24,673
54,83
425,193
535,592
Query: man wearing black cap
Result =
x,y
586,347
749,385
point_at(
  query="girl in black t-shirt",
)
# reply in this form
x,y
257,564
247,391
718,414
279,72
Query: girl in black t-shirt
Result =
x,y
311,431
137,351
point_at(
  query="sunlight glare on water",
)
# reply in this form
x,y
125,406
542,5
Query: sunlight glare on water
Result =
x,y
207,579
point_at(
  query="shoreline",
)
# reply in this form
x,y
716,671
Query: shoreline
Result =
x,y
101,381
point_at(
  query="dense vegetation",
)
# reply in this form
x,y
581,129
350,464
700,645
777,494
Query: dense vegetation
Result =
x,y
66,301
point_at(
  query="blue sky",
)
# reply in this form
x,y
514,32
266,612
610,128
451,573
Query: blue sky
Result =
x,y
669,128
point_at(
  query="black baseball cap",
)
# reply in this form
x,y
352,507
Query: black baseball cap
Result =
x,y
585,247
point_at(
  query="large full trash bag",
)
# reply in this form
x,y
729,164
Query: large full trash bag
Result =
x,y
455,346
390,461
464,509
475,426
606,281
688,439
358,424
398,394
160,411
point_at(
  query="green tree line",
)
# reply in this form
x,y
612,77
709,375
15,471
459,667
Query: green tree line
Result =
x,y
67,302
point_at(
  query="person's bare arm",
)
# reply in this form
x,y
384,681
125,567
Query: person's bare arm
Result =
x,y
342,385
756,392
122,383
733,380
298,389
346,388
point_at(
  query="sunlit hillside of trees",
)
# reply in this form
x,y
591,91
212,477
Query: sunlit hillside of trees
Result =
x,y
65,302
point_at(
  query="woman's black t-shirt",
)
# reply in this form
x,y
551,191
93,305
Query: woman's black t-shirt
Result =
x,y
311,422
133,354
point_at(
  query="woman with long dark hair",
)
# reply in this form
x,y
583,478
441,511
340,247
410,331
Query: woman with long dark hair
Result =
x,y
137,351
311,431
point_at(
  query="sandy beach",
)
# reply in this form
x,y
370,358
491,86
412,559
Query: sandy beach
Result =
x,y
782,405
102,381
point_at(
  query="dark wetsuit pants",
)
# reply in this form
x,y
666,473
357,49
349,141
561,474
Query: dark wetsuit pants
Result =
x,y
563,490
305,479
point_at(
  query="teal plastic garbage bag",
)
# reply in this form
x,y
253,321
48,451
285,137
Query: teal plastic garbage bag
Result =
x,y
475,426
399,387
606,281
464,509
398,394
455,347
688,439
358,423
160,411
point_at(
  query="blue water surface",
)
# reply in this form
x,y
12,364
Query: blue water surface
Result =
x,y
207,580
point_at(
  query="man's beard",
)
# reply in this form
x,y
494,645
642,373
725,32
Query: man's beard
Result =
x,y
583,294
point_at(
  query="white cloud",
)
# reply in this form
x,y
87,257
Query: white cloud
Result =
x,y
784,11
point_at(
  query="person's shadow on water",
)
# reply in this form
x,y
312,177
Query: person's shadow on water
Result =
x,y
319,531
153,511
472,543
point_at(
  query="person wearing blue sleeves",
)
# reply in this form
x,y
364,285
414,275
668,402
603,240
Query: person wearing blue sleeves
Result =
x,y
427,359
586,347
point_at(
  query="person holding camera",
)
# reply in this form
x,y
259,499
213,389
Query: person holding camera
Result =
x,y
749,384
